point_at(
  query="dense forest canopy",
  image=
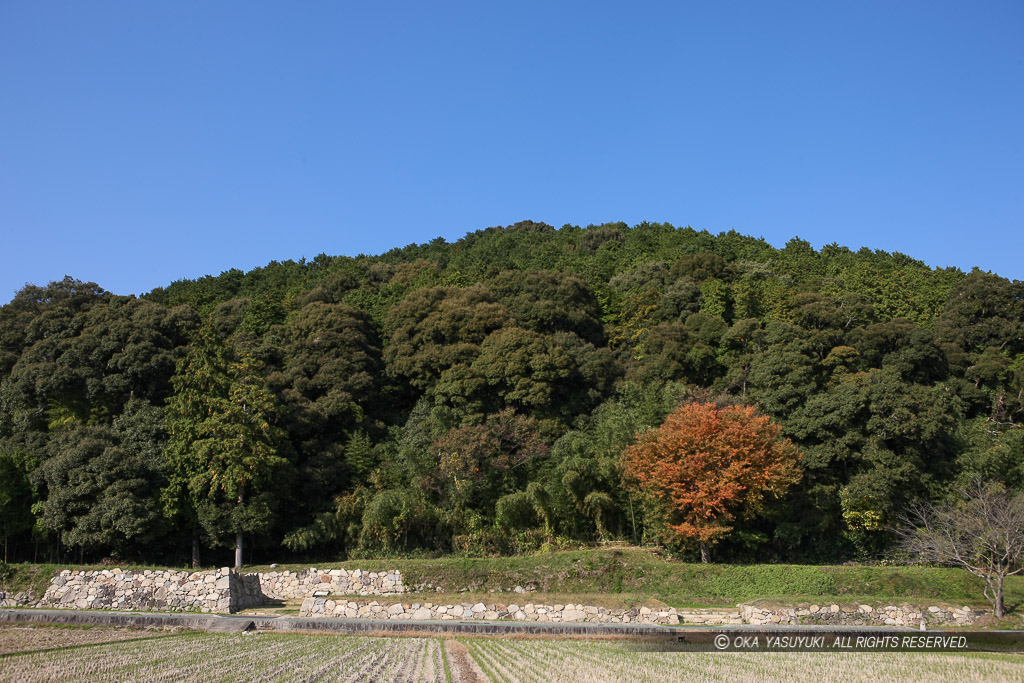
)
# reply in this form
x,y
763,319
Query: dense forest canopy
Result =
x,y
477,397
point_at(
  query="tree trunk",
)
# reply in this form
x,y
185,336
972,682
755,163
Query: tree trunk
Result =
x,y
705,552
195,548
238,535
1000,610
633,518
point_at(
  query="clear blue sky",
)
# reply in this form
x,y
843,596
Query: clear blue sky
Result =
x,y
143,142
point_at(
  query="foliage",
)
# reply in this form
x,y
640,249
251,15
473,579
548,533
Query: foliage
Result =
x,y
223,442
706,465
15,498
401,372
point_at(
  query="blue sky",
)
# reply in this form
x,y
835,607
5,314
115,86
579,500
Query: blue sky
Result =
x,y
145,142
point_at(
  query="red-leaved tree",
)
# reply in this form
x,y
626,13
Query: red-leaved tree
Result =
x,y
706,464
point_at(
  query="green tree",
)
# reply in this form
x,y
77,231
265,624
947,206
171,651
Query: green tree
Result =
x,y
15,497
328,382
554,377
434,329
101,492
223,450
478,464
400,520
547,301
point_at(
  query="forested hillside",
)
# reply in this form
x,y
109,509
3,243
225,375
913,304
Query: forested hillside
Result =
x,y
476,397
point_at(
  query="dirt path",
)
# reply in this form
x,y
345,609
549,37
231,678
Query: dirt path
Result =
x,y
464,668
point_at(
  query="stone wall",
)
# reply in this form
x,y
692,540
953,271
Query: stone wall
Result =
x,y
245,592
288,585
19,599
324,607
208,591
863,615
221,590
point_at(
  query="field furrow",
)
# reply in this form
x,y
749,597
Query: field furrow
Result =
x,y
307,658
596,662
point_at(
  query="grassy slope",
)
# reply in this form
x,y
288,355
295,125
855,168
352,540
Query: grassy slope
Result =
x,y
15,578
638,572
635,574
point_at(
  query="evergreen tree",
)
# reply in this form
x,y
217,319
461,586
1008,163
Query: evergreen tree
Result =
x,y
224,443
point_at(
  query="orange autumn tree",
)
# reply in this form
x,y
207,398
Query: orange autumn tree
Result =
x,y
706,464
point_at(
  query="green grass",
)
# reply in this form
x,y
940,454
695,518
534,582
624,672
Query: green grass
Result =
x,y
636,572
633,574
444,664
35,578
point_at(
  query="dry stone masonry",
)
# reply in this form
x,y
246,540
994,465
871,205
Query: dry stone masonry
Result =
x,y
19,599
217,591
349,609
288,585
208,591
863,615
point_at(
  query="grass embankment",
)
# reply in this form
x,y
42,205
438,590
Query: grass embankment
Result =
x,y
615,577
32,578
632,576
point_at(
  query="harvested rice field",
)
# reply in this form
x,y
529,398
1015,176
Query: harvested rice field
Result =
x,y
30,638
217,657
598,662
192,656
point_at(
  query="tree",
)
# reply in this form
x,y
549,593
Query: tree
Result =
x,y
328,386
434,329
477,464
548,301
707,464
15,497
553,377
223,446
400,521
102,483
983,533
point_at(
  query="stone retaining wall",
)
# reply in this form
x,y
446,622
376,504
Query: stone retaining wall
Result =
x,y
863,615
324,607
208,591
19,599
219,591
288,585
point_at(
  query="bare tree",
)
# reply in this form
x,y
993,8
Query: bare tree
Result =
x,y
983,533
